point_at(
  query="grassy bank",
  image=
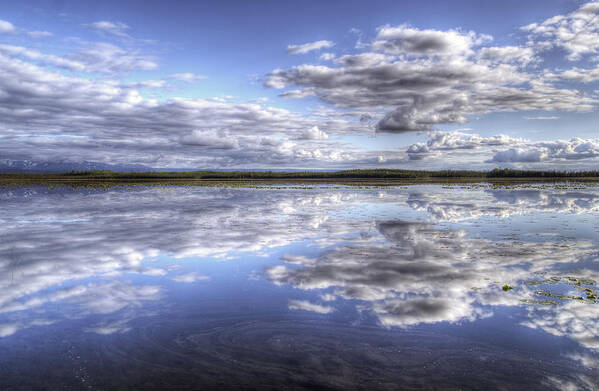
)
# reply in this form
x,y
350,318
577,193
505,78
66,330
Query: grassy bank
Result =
x,y
347,177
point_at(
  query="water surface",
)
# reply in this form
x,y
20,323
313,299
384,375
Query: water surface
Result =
x,y
450,287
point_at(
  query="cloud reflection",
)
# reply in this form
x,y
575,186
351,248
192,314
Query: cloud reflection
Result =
x,y
392,252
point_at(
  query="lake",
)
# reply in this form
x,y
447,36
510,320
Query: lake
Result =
x,y
299,287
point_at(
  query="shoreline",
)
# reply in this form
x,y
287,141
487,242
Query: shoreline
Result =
x,y
235,179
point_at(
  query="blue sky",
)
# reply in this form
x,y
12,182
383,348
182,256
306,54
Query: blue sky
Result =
x,y
273,84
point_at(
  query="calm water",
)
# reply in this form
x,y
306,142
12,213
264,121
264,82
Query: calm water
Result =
x,y
184,287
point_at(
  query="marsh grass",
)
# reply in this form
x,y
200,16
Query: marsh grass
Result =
x,y
504,178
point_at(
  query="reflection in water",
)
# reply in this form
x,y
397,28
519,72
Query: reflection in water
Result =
x,y
162,288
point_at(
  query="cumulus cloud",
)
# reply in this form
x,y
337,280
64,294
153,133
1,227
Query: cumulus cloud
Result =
x,y
509,54
6,27
308,47
456,140
313,134
577,32
574,149
504,149
424,78
412,41
519,155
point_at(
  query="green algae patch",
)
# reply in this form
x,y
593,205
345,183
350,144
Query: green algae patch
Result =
x,y
590,295
541,302
586,287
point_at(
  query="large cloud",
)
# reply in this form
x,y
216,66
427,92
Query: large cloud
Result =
x,y
426,77
115,123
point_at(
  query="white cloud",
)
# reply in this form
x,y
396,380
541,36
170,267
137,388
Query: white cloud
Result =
x,y
412,41
105,27
307,306
40,57
519,155
308,47
424,78
187,77
39,34
313,134
422,274
504,149
574,149
571,319
102,57
404,313
456,140
190,277
543,118
508,54
6,27
7,329
115,123
406,273
576,74
577,32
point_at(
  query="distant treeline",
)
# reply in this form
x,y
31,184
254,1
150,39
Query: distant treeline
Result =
x,y
345,174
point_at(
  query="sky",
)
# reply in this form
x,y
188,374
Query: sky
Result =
x,y
301,85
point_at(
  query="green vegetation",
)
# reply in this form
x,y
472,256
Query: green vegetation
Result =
x,y
353,174
382,177
541,302
589,295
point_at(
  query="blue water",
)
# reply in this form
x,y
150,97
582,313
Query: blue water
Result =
x,y
334,288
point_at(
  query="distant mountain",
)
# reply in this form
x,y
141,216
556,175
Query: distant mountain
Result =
x,y
15,166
